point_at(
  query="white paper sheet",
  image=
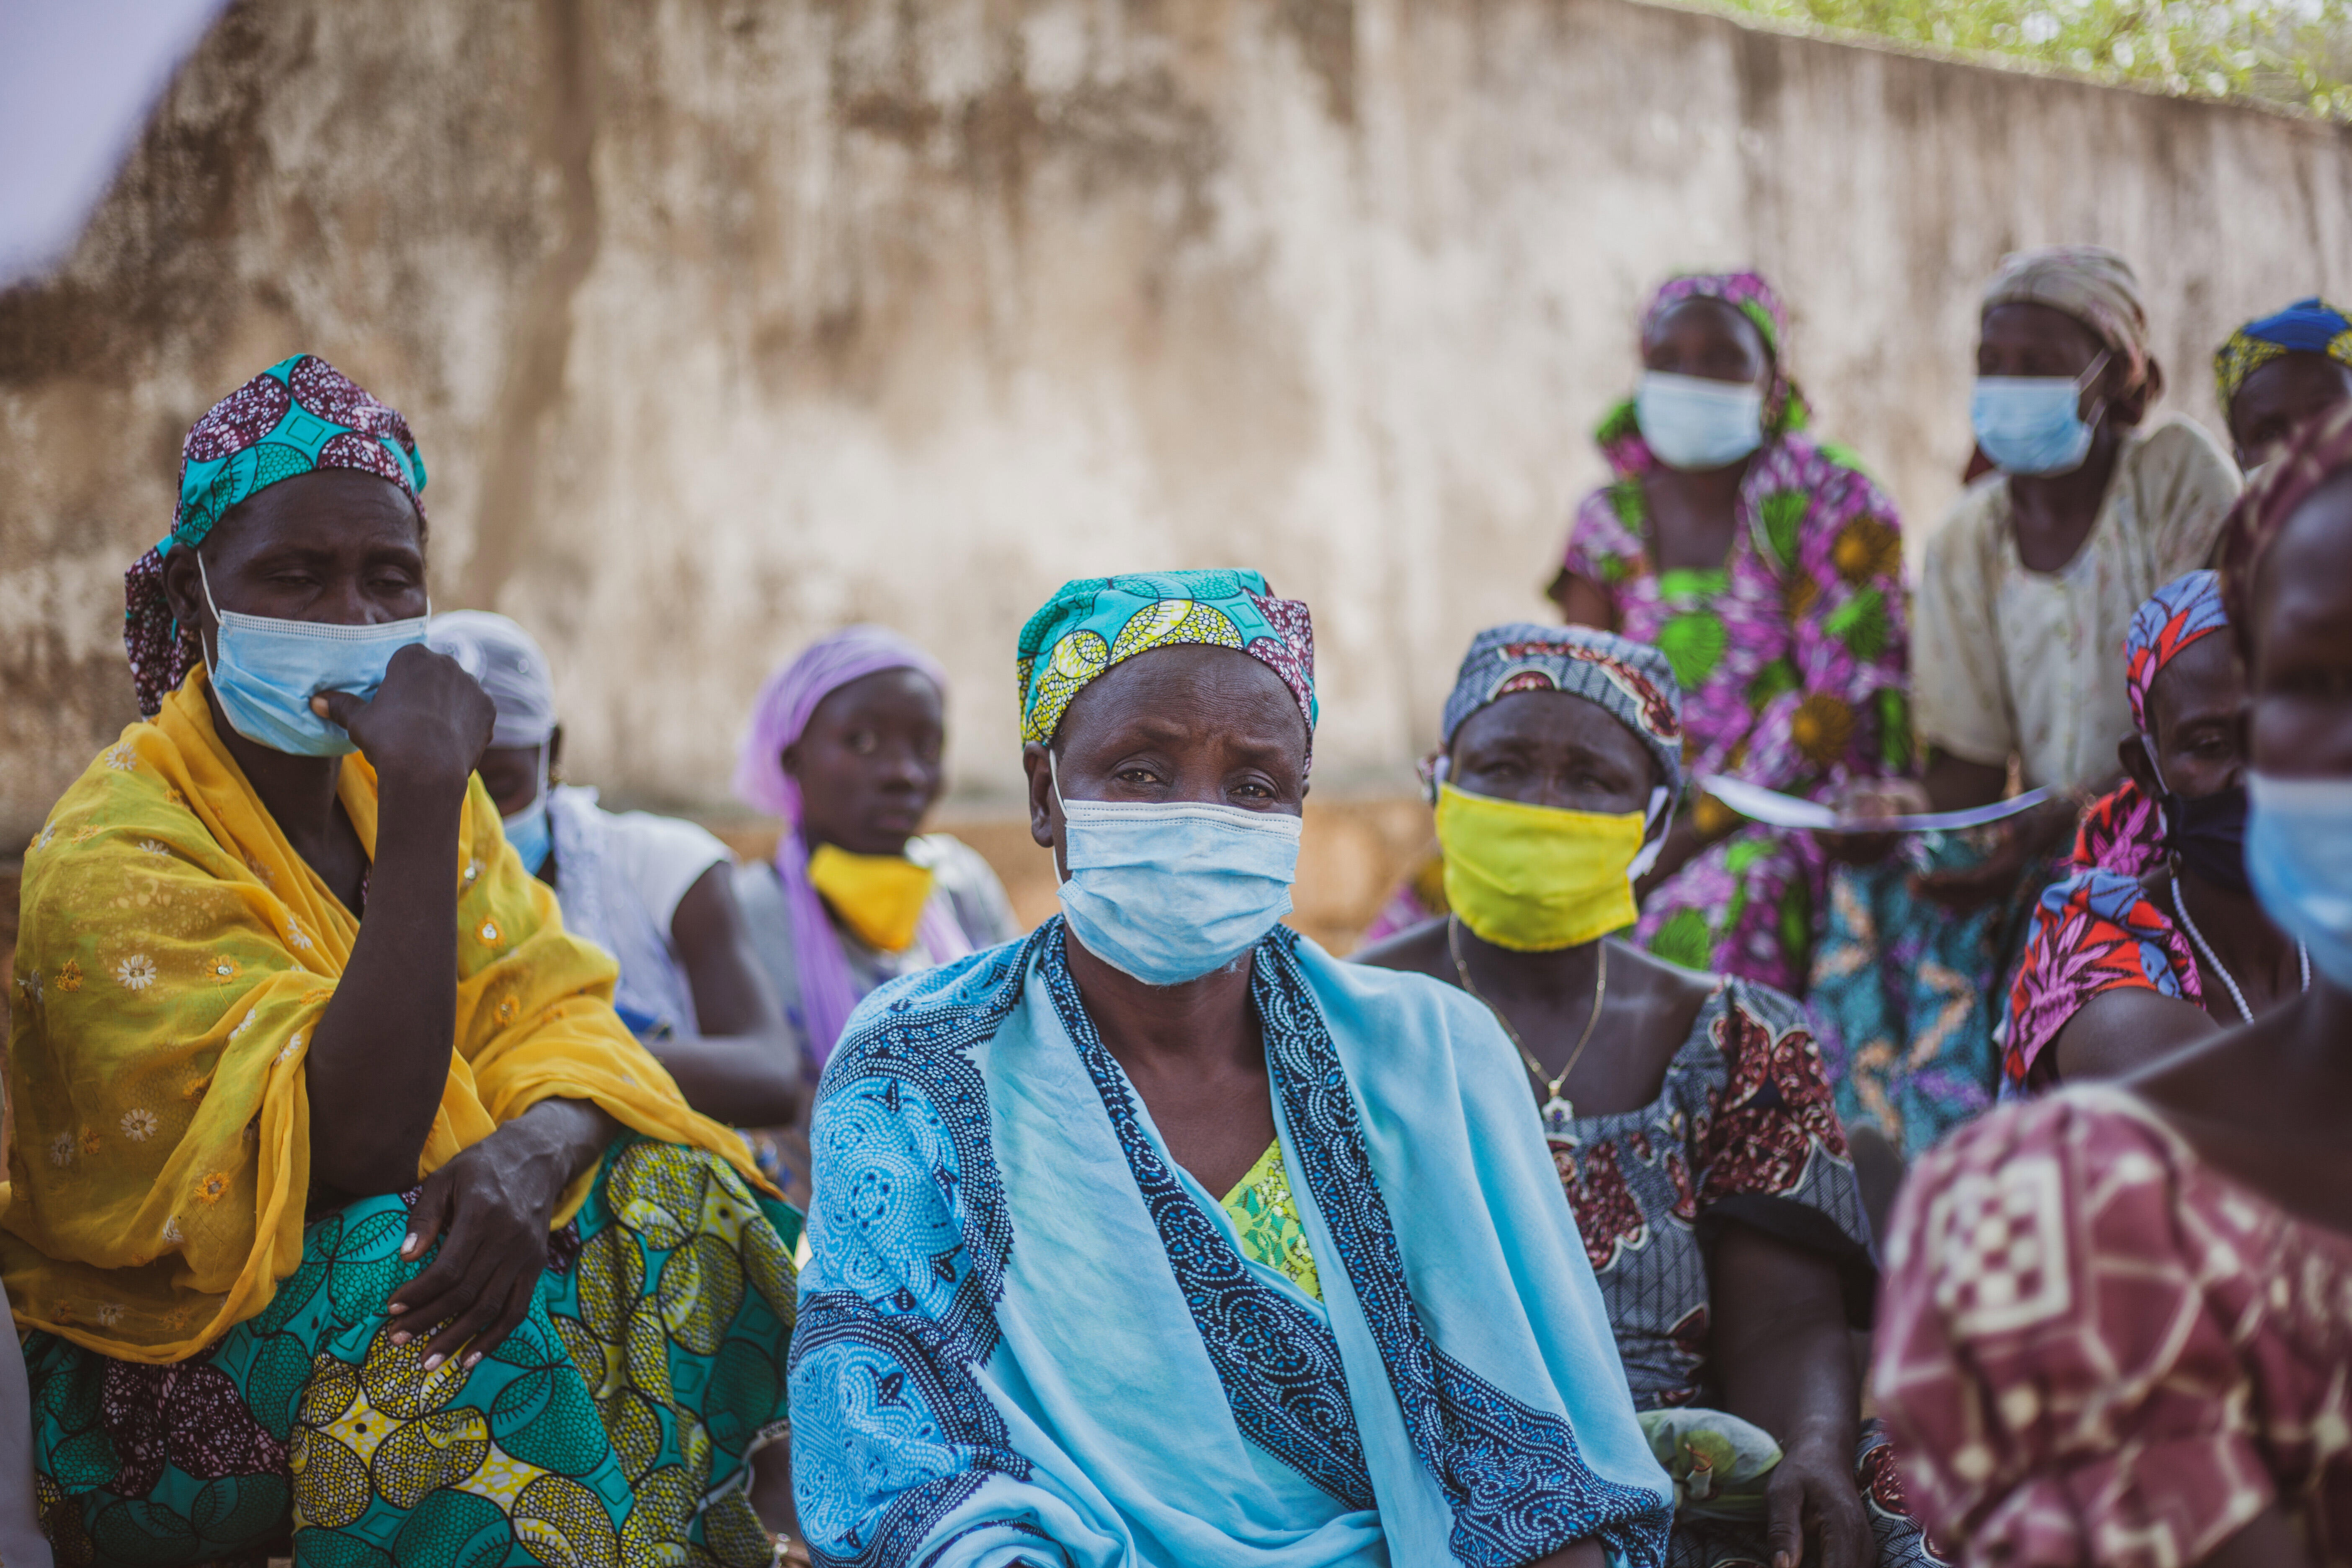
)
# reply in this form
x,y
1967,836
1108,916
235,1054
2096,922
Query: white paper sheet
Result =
x,y
1777,810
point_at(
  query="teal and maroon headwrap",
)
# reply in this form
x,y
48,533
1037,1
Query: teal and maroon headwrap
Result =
x,y
1092,623
2177,615
297,417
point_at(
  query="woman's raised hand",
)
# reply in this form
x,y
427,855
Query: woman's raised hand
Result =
x,y
428,724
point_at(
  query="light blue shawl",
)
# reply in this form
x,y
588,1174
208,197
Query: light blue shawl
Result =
x,y
1026,1335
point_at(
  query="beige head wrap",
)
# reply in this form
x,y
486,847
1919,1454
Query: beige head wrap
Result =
x,y
2090,283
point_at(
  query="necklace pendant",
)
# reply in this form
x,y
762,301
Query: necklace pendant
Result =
x,y
1560,1122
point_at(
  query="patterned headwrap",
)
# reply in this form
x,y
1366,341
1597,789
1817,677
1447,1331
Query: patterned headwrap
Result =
x,y
297,417
1092,623
1784,406
2177,615
510,665
2306,327
2088,282
1632,680
2305,460
829,992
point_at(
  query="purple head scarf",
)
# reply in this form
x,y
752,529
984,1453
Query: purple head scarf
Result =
x,y
828,991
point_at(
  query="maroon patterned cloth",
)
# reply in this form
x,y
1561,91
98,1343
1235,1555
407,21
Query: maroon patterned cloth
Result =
x,y
1744,1132
1744,1129
2099,1349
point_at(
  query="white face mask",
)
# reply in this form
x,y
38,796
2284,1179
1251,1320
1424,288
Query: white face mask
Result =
x,y
530,830
265,671
1690,422
1170,891
2299,858
2033,425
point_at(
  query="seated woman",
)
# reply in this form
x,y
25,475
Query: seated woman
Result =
x,y
2025,592
1161,1238
2279,373
657,893
1696,1144
1769,568
345,1198
2115,1328
845,745
2155,939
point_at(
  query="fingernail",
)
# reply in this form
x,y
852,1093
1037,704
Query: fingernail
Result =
x,y
397,1307
400,1339
319,706
473,1361
432,1361
408,1245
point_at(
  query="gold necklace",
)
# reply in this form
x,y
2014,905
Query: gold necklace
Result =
x,y
1558,1111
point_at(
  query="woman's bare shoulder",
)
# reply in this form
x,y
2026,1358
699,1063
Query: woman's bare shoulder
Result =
x,y
1420,950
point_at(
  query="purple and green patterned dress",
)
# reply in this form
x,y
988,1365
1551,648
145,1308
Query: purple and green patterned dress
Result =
x,y
1792,661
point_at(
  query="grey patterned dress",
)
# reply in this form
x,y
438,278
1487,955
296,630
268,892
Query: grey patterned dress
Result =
x,y
1744,1130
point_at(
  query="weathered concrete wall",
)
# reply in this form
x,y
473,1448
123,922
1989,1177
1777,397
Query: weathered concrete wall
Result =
x,y
722,322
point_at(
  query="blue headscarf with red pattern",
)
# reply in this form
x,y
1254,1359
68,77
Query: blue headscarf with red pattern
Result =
x,y
2177,615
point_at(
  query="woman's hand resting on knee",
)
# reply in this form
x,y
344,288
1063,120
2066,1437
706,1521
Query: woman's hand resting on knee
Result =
x,y
491,1208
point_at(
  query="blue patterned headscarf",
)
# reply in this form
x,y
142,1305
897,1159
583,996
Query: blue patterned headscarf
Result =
x,y
1092,623
1632,680
2181,612
299,416
2306,327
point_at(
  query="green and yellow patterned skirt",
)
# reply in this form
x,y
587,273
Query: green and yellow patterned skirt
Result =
x,y
610,1430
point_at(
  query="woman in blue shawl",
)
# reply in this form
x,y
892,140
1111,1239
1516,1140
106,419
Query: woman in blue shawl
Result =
x,y
1161,1236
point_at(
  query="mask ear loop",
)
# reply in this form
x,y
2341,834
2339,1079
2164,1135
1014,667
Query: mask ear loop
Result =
x,y
1662,814
212,659
2082,384
1432,775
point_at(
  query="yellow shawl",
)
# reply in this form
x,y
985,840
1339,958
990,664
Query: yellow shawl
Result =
x,y
174,955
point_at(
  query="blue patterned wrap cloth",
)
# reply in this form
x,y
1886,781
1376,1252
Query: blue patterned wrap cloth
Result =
x,y
1028,1334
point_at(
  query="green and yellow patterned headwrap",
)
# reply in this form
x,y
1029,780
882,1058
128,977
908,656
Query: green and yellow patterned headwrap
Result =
x,y
1092,623
2308,326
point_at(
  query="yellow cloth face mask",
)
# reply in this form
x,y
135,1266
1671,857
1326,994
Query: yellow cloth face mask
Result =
x,y
879,897
1535,878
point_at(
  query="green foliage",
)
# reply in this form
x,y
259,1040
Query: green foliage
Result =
x,y
2292,54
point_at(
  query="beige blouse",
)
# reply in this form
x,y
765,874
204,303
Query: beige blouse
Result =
x,y
2007,661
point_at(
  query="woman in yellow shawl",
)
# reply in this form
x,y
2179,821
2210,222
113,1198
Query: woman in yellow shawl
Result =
x,y
342,1199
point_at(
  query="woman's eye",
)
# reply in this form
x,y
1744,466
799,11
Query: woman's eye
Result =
x,y
864,743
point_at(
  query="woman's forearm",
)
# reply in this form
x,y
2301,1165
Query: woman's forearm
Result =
x,y
745,1081
379,1057
1786,1360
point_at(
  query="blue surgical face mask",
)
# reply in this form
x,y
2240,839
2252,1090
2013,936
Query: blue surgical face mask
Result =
x,y
528,830
1170,892
1690,422
266,671
2299,857
2033,425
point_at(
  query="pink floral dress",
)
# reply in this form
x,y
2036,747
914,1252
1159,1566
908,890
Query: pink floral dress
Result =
x,y
1793,662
